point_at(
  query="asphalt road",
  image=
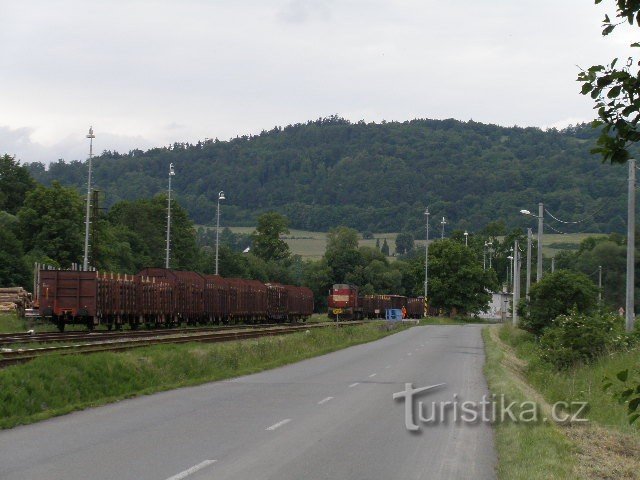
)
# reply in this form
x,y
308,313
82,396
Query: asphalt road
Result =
x,y
329,417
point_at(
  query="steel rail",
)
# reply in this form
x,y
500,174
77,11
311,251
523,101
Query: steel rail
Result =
x,y
24,355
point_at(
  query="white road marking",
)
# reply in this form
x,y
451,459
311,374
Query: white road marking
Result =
x,y
325,400
354,384
279,424
372,375
191,470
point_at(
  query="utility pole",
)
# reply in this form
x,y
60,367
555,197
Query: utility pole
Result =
x,y
171,174
528,288
220,197
516,282
599,284
426,267
540,228
553,264
85,262
443,222
466,237
631,245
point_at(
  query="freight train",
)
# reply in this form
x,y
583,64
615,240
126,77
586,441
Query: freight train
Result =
x,y
158,297
345,303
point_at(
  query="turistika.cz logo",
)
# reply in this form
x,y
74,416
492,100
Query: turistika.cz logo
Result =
x,y
490,409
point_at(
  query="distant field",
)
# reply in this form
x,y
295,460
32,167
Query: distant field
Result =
x,y
312,245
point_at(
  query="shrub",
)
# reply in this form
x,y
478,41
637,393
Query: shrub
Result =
x,y
557,294
579,338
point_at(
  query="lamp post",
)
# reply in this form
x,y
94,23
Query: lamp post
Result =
x,y
443,222
85,262
540,218
466,238
426,267
171,174
484,256
220,197
516,282
529,235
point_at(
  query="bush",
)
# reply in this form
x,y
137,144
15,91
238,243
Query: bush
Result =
x,y
579,338
557,294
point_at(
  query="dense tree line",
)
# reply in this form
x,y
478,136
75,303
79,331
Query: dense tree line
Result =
x,y
372,176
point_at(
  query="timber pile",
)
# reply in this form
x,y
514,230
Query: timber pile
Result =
x,y
15,298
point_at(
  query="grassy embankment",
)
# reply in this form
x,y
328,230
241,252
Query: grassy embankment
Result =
x,y
55,385
606,447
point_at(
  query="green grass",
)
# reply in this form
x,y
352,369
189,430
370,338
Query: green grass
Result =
x,y
531,451
604,447
9,323
581,383
311,245
56,385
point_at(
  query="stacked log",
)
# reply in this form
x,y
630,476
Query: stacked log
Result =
x,y
15,299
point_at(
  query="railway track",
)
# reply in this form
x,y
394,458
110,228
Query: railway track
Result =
x,y
14,357
8,339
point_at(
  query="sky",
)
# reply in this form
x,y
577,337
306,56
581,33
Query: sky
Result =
x,y
147,74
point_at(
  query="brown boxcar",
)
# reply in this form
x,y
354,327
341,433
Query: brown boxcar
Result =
x,y
216,298
276,302
154,300
187,293
299,302
69,297
87,297
374,306
116,300
415,307
247,300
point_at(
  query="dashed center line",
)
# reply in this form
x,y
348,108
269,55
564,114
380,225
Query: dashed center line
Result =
x,y
279,424
194,469
372,375
354,384
325,400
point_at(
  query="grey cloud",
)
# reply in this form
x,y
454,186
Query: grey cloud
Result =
x,y
302,11
18,142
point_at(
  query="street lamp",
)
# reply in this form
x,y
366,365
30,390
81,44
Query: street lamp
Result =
x,y
466,237
220,197
85,262
540,218
426,267
443,222
171,174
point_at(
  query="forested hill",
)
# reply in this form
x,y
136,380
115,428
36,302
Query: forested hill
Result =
x,y
376,177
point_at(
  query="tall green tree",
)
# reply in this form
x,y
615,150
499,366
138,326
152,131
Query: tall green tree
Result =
x,y
615,89
15,183
557,294
342,254
143,223
51,222
14,270
404,243
457,281
267,243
